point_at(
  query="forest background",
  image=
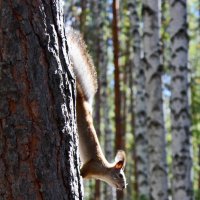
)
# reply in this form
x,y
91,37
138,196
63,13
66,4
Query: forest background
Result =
x,y
147,57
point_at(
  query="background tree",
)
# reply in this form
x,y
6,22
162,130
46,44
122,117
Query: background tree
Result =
x,y
38,143
155,119
119,137
140,105
180,113
115,30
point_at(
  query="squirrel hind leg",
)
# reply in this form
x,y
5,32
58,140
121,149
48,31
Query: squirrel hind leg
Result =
x,y
87,170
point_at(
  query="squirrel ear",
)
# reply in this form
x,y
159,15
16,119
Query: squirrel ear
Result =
x,y
119,165
120,160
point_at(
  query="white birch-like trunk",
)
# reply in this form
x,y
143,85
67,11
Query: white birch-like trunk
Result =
x,y
155,120
180,114
140,105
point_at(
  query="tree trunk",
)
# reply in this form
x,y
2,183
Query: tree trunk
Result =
x,y
140,106
155,120
119,138
38,142
118,142
180,113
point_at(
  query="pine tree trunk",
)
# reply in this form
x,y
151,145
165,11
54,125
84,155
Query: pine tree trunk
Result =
x,y
180,113
118,143
119,138
140,106
38,143
155,122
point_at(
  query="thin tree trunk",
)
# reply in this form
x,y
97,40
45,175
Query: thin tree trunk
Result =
x,y
38,146
119,137
155,120
180,113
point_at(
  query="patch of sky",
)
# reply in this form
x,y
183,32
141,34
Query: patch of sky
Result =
x,y
166,79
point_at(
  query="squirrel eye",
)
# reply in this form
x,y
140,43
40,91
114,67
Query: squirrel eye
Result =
x,y
120,176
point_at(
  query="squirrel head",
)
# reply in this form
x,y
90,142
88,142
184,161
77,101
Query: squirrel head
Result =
x,y
115,175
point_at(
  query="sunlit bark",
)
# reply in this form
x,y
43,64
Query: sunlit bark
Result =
x,y
38,143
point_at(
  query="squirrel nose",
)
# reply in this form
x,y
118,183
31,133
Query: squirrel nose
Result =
x,y
124,186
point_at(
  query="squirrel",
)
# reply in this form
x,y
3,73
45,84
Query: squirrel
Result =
x,y
94,163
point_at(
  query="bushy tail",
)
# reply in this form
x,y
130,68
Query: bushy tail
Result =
x,y
83,66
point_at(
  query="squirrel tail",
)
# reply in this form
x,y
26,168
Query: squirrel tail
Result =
x,y
83,65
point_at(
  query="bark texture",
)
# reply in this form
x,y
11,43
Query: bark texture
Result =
x,y
180,113
140,106
155,120
38,143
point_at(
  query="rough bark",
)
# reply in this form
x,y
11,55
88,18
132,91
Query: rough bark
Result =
x,y
38,143
180,112
140,106
155,122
